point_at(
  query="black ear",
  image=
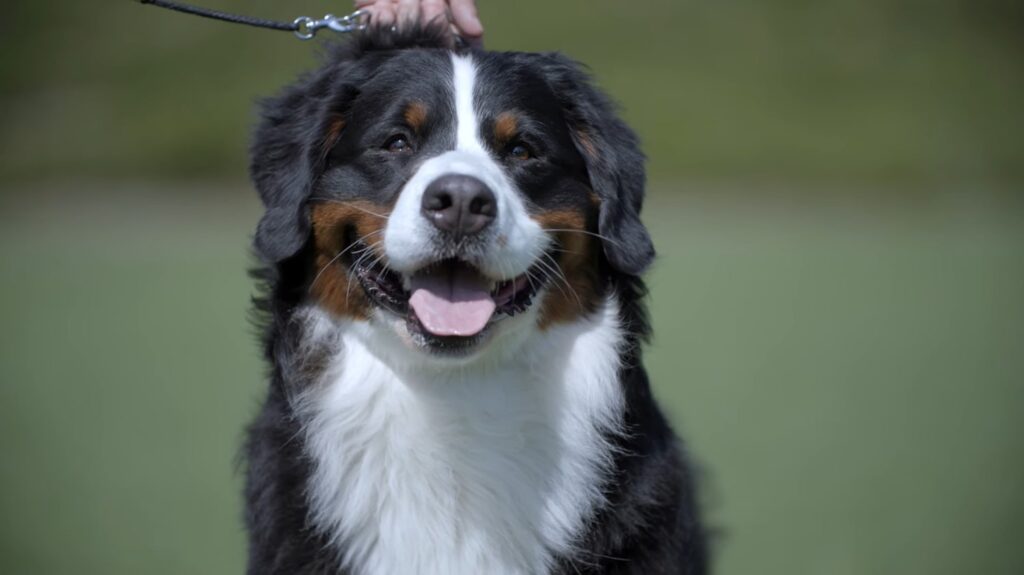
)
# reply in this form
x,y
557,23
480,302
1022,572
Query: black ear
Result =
x,y
288,145
614,163
288,150
282,172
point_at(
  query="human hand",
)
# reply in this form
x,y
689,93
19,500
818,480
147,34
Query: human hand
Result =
x,y
460,14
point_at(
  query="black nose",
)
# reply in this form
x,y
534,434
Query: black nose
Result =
x,y
462,205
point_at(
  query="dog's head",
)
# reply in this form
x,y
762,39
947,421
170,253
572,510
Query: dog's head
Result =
x,y
448,197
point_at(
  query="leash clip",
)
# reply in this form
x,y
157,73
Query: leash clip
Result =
x,y
306,27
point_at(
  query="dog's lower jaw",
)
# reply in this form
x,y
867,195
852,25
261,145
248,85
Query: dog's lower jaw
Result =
x,y
484,467
406,348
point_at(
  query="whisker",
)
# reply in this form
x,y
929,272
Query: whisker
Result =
x,y
549,274
379,260
530,279
341,253
585,232
561,276
365,253
350,274
504,273
348,204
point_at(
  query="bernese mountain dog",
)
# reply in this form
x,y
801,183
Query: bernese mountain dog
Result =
x,y
453,317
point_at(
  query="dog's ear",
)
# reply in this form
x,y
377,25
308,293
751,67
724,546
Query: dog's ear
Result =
x,y
288,150
280,168
614,163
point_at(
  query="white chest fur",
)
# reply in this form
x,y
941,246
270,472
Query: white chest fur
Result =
x,y
479,469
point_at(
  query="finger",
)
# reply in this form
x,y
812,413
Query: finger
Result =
x,y
371,7
408,13
433,11
382,12
466,19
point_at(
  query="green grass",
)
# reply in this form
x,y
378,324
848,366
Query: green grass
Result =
x,y
849,372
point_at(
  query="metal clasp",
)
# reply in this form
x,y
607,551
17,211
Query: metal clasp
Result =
x,y
306,27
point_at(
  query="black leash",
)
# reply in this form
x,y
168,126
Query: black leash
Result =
x,y
304,27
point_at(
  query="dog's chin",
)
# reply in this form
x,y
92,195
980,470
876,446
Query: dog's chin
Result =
x,y
448,309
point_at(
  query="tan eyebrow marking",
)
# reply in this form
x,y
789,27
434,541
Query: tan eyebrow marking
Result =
x,y
416,115
506,128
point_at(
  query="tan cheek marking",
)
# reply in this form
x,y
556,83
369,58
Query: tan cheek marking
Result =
x,y
506,127
578,261
416,116
334,288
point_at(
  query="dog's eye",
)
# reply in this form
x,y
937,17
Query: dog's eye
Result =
x,y
520,152
398,144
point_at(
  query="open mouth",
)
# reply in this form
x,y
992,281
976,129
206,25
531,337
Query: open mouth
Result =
x,y
449,301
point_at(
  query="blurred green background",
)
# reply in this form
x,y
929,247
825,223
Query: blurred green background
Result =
x,y
838,199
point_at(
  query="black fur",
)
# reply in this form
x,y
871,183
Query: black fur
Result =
x,y
285,153
616,172
651,525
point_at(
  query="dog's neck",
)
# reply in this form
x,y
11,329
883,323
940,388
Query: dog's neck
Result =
x,y
482,467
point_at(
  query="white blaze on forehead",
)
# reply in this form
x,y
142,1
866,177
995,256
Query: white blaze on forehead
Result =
x,y
516,240
464,83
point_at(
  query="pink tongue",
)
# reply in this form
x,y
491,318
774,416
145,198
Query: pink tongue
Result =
x,y
452,302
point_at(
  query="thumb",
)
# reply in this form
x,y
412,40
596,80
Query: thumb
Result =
x,y
465,17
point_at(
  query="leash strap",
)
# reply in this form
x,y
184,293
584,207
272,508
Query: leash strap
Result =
x,y
304,27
